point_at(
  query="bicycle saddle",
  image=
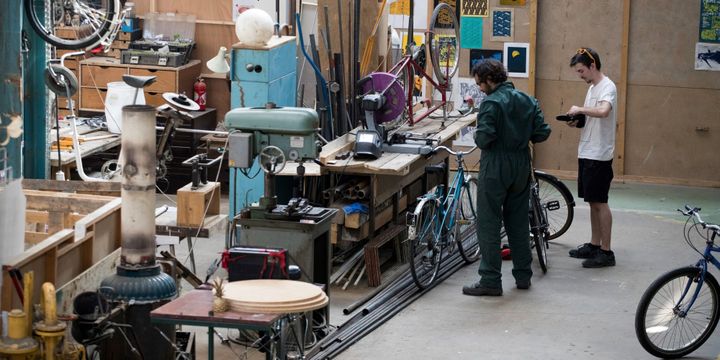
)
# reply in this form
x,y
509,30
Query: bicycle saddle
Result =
x,y
139,82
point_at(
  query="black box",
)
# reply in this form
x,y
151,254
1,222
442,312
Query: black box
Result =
x,y
248,263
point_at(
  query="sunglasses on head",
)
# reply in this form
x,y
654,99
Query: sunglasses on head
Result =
x,y
586,52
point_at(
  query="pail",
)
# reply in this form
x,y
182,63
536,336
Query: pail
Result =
x,y
119,94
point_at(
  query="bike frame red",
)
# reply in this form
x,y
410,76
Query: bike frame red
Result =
x,y
407,61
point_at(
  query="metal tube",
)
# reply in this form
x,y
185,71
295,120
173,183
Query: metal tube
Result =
x,y
138,186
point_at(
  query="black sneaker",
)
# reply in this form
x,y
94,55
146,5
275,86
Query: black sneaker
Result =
x,y
478,290
601,259
584,251
523,285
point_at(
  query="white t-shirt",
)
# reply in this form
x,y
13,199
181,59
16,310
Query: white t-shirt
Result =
x,y
597,138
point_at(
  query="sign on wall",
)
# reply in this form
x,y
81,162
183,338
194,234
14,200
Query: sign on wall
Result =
x,y
707,56
710,20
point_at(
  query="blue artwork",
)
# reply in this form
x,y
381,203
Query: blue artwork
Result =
x,y
479,54
471,32
502,24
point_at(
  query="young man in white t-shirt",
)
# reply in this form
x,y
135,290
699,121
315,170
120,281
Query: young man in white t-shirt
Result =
x,y
595,155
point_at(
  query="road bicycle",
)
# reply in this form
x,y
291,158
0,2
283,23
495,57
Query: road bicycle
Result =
x,y
551,212
679,311
443,46
443,221
91,23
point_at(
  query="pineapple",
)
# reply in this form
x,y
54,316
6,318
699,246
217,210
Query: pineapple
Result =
x,y
220,304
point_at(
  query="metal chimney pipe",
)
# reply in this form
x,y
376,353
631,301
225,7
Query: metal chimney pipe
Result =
x,y
138,186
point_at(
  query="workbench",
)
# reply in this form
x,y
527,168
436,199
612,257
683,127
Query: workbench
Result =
x,y
388,176
195,309
98,141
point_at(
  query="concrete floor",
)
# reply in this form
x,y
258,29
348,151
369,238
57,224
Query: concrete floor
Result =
x,y
569,313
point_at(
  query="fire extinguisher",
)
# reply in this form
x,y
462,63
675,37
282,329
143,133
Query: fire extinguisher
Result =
x,y
200,93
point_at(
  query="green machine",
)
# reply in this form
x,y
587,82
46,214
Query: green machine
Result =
x,y
277,135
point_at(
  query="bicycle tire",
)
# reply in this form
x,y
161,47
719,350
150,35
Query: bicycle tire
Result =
x,y
660,291
560,219
538,234
425,249
466,220
446,12
88,35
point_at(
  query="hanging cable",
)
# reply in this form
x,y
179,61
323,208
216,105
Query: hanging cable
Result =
x,y
326,97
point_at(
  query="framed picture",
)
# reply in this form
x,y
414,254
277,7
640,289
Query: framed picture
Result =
x,y
516,58
707,56
512,2
502,25
479,54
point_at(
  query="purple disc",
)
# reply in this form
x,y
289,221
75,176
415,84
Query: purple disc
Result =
x,y
395,97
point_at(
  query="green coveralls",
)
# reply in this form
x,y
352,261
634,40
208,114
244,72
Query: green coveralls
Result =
x,y
507,121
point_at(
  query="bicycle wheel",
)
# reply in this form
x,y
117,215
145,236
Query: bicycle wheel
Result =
x,y
664,325
444,42
465,221
557,203
425,249
83,22
538,233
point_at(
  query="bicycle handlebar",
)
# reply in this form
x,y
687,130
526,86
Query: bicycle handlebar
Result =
x,y
450,151
695,212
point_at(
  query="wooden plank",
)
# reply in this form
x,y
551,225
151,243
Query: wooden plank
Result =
x,y
34,216
101,213
54,240
34,238
622,93
533,46
64,202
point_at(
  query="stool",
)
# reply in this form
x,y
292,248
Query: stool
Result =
x,y
372,253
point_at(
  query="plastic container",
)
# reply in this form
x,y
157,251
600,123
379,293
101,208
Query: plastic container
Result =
x,y
119,94
169,27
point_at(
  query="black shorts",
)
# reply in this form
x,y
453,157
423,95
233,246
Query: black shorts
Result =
x,y
594,177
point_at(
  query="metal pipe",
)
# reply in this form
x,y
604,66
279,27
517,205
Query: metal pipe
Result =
x,y
195,131
138,186
352,307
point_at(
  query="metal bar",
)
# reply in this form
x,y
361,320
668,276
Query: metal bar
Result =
x,y
196,131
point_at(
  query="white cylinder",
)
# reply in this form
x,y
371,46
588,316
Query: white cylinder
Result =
x,y
138,186
119,94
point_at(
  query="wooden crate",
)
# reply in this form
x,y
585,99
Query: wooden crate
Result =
x,y
66,233
191,204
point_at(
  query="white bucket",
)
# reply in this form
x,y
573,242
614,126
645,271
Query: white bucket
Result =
x,y
119,94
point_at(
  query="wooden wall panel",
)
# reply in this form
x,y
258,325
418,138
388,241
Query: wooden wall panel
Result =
x,y
662,136
663,34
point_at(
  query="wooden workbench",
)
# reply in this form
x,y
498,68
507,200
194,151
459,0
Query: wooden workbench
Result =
x,y
106,141
392,176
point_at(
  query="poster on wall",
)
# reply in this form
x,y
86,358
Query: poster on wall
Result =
x,y
239,6
447,46
468,88
710,21
399,14
471,32
516,59
475,8
418,39
479,54
502,25
512,2
707,57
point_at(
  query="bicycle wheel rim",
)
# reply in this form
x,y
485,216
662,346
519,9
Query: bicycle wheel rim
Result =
x,y
465,231
660,328
558,220
444,42
539,237
89,27
425,250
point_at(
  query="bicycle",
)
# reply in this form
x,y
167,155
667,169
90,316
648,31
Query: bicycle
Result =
x,y
551,212
443,221
678,313
443,45
92,22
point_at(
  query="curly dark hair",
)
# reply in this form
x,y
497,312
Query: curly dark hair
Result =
x,y
490,69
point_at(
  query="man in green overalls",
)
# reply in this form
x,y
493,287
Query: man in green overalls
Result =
x,y
508,120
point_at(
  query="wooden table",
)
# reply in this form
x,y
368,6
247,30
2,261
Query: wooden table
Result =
x,y
389,175
195,309
166,224
106,141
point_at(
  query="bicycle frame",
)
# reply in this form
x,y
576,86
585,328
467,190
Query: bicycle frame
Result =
x,y
702,265
408,62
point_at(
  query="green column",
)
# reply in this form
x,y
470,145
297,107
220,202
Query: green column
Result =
x,y
35,149
11,102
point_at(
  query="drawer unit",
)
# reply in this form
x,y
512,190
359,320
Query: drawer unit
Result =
x,y
97,72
